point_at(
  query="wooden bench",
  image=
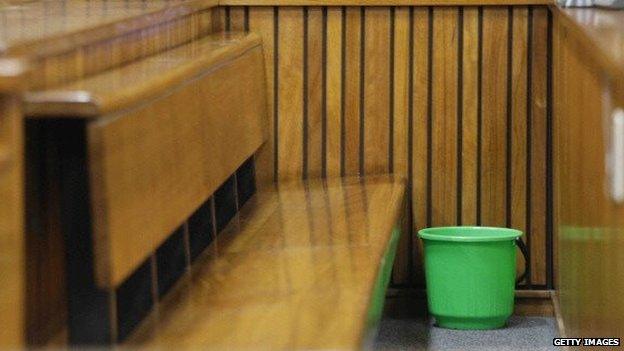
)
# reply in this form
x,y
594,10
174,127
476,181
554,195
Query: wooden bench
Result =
x,y
152,160
302,266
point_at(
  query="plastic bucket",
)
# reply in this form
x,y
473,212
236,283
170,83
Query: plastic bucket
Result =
x,y
470,274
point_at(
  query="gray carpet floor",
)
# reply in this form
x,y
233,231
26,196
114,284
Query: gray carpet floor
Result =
x,y
406,326
521,333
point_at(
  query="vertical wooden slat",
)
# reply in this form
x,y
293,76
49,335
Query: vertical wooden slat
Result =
x,y
493,113
334,89
290,93
12,238
377,78
400,80
237,18
419,130
314,92
519,123
444,117
401,37
352,103
538,146
470,89
261,21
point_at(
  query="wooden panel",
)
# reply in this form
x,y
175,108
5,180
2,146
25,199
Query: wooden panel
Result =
x,y
314,118
519,77
454,97
420,101
173,178
444,118
73,39
470,91
383,2
12,234
589,223
290,93
375,139
295,270
129,86
493,150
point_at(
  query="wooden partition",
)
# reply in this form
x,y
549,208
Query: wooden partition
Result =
x,y
455,98
589,86
12,260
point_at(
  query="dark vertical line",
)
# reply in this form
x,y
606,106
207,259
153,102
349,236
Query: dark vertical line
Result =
x,y
246,25
460,109
410,139
324,97
343,74
391,105
508,127
479,111
275,92
305,93
429,112
529,102
362,85
228,20
549,156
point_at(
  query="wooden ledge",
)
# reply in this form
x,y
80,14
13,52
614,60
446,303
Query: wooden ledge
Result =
x,y
48,27
383,2
296,269
127,86
600,31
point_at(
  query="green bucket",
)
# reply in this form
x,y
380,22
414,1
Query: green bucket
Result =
x,y
470,274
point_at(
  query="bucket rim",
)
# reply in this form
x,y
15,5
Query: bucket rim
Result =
x,y
493,234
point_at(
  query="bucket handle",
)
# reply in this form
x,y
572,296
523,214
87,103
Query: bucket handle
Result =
x,y
525,252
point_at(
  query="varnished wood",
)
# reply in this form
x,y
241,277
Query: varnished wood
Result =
x,y
12,234
392,102
59,26
599,31
199,134
210,93
382,2
590,227
134,84
295,270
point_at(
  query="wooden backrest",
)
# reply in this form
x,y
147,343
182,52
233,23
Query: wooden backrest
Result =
x,y
162,135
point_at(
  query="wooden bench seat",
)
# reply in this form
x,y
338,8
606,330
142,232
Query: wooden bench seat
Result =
x,y
302,266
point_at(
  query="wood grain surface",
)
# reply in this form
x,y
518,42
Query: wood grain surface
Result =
x,y
453,98
590,227
294,270
144,80
208,138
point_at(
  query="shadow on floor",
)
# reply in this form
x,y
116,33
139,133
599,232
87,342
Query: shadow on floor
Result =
x,y
406,326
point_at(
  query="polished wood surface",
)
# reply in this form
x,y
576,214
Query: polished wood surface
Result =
x,y
46,26
206,127
133,84
590,224
601,33
12,241
382,2
295,270
453,98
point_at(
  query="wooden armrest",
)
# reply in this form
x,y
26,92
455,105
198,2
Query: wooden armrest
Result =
x,y
298,268
133,84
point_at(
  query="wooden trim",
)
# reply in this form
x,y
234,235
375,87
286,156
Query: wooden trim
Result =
x,y
528,302
103,94
595,40
65,41
557,311
383,2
